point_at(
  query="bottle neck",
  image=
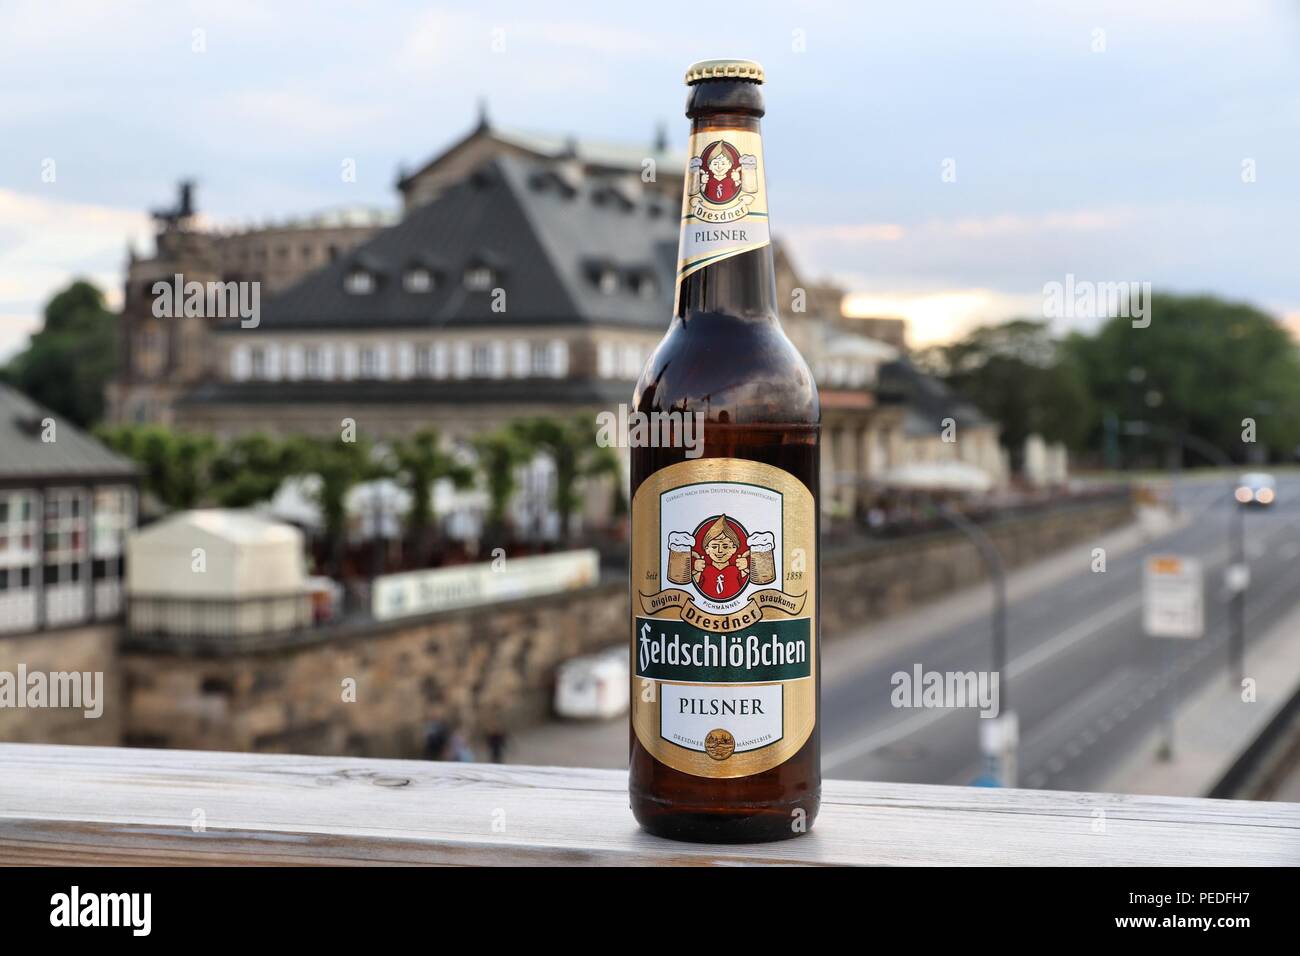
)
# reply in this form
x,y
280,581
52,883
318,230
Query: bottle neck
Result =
x,y
725,259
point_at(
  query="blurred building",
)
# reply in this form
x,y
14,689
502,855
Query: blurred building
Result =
x,y
159,359
66,504
216,575
529,275
936,426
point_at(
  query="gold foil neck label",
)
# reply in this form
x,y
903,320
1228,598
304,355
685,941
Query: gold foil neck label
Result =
x,y
724,206
724,635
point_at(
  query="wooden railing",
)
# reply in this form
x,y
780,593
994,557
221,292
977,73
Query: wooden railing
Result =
x,y
89,805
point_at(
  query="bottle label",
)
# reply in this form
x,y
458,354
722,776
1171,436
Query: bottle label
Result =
x,y
724,637
724,207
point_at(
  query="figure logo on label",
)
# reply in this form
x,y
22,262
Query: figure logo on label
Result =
x,y
724,178
720,557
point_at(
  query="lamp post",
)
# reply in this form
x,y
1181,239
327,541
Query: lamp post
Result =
x,y
1000,735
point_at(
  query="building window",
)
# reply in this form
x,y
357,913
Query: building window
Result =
x,y
111,520
539,359
311,362
607,281
478,278
607,360
630,361
369,363
259,363
359,282
424,361
418,279
480,362
644,286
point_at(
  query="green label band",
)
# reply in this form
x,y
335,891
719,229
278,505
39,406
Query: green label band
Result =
x,y
676,651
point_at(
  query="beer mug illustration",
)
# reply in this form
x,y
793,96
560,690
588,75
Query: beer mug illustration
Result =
x,y
762,558
680,544
749,173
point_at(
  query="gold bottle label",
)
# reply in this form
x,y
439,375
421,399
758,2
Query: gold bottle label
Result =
x,y
724,636
724,206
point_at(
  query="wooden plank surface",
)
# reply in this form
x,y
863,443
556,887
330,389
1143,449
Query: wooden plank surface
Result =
x,y
89,805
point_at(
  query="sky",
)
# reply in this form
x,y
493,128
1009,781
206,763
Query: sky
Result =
x,y
943,161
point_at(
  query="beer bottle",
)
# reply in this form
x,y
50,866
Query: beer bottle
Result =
x,y
725,739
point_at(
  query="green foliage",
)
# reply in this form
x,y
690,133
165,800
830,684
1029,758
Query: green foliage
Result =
x,y
571,445
500,452
1017,374
176,465
70,360
251,468
341,466
1201,367
419,462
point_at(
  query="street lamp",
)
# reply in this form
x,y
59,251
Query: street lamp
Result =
x,y
1000,735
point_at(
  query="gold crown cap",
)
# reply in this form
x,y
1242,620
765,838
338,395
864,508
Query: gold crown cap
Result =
x,y
724,70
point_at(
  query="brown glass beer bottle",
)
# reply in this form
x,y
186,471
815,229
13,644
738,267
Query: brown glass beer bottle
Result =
x,y
725,734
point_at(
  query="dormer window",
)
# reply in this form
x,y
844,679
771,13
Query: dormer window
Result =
x,y
607,281
479,278
359,282
417,279
643,285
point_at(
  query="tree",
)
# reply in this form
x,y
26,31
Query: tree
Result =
x,y
341,466
500,453
251,469
1020,376
1201,367
176,465
70,360
571,445
419,463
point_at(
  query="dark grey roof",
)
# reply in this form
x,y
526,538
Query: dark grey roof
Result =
x,y
548,238
596,154
928,400
72,454
585,391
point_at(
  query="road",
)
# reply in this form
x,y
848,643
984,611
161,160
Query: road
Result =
x,y
1086,684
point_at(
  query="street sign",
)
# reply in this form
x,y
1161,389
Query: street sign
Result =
x,y
1173,597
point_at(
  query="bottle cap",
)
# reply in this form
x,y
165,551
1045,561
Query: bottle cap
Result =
x,y
724,70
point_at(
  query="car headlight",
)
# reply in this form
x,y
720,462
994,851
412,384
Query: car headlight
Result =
x,y
1244,495
1264,496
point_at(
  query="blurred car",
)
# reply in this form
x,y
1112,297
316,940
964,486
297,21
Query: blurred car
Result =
x,y
1256,488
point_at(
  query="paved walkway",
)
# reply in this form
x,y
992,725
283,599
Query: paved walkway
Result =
x,y
1213,726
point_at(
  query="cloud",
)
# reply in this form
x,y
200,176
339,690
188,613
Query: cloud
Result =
x,y
941,315
858,232
46,242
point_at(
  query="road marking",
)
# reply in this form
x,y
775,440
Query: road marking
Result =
x,y
1021,665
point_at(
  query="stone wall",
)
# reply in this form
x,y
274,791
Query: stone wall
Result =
x,y
464,667
872,581
468,667
91,649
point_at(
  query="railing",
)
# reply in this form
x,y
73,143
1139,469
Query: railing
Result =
x,y
82,805
176,621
